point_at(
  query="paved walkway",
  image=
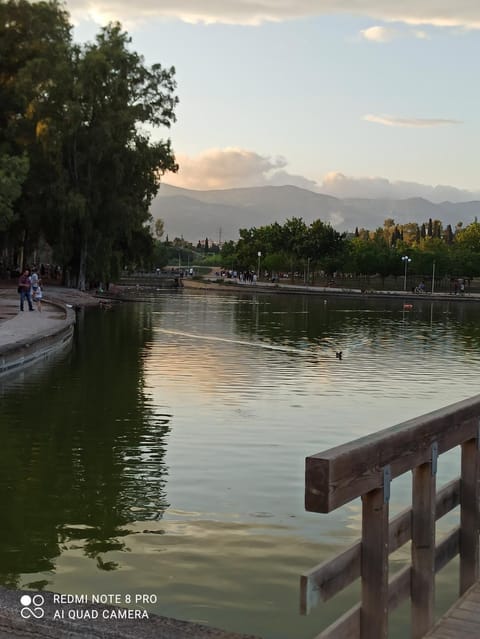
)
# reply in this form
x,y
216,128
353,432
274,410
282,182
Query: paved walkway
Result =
x,y
21,326
16,326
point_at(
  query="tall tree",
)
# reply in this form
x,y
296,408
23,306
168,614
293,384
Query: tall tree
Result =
x,y
112,168
34,62
13,171
449,234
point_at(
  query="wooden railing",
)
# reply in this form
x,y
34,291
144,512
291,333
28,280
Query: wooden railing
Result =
x,y
364,468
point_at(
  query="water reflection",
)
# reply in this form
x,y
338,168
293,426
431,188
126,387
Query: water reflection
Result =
x,y
255,383
83,451
223,396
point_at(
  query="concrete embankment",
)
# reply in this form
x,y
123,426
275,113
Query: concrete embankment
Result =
x,y
30,336
326,291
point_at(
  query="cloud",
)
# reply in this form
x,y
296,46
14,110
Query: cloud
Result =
x,y
381,35
281,178
233,167
420,34
342,186
378,34
390,120
462,13
237,168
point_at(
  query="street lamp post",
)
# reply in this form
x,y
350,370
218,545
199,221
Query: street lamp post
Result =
x,y
258,264
406,260
307,273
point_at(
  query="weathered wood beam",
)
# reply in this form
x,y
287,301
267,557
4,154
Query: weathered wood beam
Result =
x,y
447,549
330,577
423,548
345,472
374,565
348,625
469,514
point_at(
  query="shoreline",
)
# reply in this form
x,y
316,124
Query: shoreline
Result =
x,y
295,289
28,338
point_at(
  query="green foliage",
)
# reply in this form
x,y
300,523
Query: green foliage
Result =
x,y
292,246
468,238
82,115
159,256
209,260
13,171
286,247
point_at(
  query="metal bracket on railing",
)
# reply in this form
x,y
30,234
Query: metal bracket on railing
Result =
x,y
434,458
387,478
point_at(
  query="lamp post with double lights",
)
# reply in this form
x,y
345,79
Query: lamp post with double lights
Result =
x,y
406,260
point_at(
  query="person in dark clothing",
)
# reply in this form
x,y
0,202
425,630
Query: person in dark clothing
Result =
x,y
24,285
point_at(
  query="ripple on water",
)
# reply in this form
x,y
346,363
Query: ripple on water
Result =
x,y
167,453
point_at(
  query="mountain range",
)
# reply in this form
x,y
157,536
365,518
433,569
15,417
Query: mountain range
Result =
x,y
219,214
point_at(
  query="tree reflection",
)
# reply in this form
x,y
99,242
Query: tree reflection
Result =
x,y
83,449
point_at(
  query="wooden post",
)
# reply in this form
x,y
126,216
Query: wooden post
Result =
x,y
469,516
374,609
423,547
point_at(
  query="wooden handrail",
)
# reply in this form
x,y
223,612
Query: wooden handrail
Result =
x,y
364,468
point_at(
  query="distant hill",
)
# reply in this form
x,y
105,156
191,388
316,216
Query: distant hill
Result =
x,y
221,213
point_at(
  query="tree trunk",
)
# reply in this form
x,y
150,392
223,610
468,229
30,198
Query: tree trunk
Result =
x,y
82,269
21,252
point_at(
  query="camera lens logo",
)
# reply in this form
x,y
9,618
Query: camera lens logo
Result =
x,y
32,606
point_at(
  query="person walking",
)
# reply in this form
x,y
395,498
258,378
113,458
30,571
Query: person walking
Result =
x,y
34,280
24,284
37,296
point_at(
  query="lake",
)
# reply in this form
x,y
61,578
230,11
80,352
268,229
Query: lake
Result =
x,y
165,453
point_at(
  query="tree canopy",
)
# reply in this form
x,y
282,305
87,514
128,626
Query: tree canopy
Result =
x,y
78,166
294,246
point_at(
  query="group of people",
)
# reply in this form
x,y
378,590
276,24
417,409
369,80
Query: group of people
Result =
x,y
30,289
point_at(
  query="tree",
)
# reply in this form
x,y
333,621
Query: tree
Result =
x,y
469,237
323,245
430,228
449,234
112,169
81,116
410,232
437,228
159,228
228,254
35,47
13,171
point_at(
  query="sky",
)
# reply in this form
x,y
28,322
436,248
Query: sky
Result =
x,y
353,98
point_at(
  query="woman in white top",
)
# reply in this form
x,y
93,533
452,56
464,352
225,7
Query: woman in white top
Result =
x,y
37,296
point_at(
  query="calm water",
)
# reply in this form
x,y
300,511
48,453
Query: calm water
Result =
x,y
165,453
